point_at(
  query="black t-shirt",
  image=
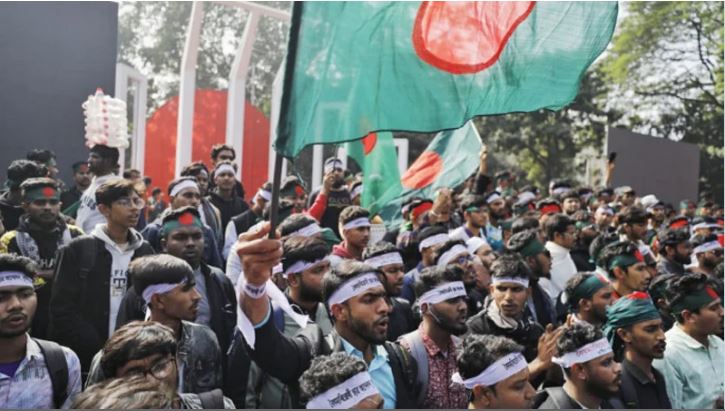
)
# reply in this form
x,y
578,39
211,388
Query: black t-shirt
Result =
x,y
336,202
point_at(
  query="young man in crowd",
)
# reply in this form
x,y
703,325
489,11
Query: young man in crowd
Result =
x,y
560,233
695,357
497,213
586,298
429,239
455,253
339,376
33,373
475,213
184,192
441,297
540,303
626,268
150,350
494,371
167,285
91,272
224,197
220,153
603,217
355,295
70,198
209,213
102,162
11,201
707,253
327,203
592,375
634,330
633,227
354,226
570,202
655,216
41,231
244,221
293,190
386,258
675,251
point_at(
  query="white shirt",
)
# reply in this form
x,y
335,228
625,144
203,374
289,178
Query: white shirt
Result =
x,y
88,216
562,265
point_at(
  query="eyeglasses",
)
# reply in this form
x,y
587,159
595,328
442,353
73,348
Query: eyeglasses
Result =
x,y
463,260
128,203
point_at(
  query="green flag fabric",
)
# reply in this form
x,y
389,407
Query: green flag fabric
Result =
x,y
358,67
378,160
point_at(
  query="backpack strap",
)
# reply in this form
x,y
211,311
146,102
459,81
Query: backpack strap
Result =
x,y
408,369
57,369
87,260
417,349
212,400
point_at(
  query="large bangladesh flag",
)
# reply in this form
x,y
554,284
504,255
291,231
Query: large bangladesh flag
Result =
x,y
359,67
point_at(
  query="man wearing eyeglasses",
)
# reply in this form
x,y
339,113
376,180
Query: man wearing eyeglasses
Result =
x,y
90,276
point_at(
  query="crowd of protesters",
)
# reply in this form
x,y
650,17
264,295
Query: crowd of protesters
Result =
x,y
489,295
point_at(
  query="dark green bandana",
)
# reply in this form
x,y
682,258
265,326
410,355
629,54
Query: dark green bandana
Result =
x,y
628,310
186,219
695,300
534,247
41,193
587,288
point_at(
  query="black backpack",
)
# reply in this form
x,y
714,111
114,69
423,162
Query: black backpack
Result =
x,y
57,369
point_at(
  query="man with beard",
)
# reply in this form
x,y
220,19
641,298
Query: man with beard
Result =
x,y
504,315
81,180
656,216
570,202
540,302
327,202
355,228
168,288
244,221
102,162
39,234
707,252
603,219
625,196
695,357
11,201
355,296
634,330
494,372
441,298
90,275
561,237
475,213
626,268
224,196
586,298
209,213
386,258
633,227
454,253
31,370
675,251
592,375
429,239
497,214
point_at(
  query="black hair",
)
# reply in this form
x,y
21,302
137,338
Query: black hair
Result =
x,y
445,247
518,241
430,231
680,287
113,190
510,265
289,183
128,174
128,393
156,191
295,222
472,200
569,194
612,250
345,271
78,164
224,162
284,209
598,244
178,181
21,170
36,182
659,284
158,269
107,153
297,247
134,341
216,149
379,248
524,223
571,285
327,371
194,169
478,352
14,262
632,215
351,213
672,236
40,156
431,277
556,224
575,337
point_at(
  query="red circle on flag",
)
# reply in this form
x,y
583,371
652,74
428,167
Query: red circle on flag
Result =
x,y
186,219
48,192
423,172
369,143
466,37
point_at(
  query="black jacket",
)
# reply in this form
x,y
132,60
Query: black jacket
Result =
x,y
527,334
222,304
401,319
287,358
227,208
555,398
79,308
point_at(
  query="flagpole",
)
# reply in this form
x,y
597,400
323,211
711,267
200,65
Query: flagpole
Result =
x,y
274,210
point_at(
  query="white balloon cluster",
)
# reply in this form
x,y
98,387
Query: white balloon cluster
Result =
x,y
106,122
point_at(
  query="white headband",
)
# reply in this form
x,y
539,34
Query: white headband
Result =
x,y
493,197
308,230
384,259
356,191
703,248
586,353
443,292
705,225
301,265
184,184
346,394
354,287
517,280
15,279
498,371
224,167
357,223
560,190
474,243
335,164
448,255
264,194
605,210
525,197
162,288
433,240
